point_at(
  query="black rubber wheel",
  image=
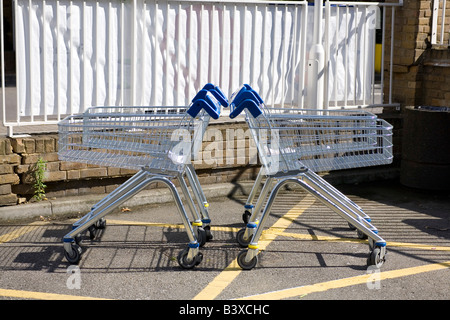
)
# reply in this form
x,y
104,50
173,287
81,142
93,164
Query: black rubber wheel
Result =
x,y
198,258
352,227
375,259
101,224
201,236
78,239
246,216
209,235
246,265
182,259
92,231
240,238
361,235
75,257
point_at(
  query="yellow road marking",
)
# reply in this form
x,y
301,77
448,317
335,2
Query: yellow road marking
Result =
x,y
279,230
416,246
145,224
335,284
19,232
233,270
167,225
42,295
337,239
219,283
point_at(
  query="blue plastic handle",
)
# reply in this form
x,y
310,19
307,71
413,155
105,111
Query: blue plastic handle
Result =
x,y
217,93
246,98
203,101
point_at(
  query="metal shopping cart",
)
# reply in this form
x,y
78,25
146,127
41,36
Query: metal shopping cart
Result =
x,y
159,142
294,143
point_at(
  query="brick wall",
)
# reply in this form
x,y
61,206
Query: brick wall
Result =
x,y
420,71
436,78
8,177
228,155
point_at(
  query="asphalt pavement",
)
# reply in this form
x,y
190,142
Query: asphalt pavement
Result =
x,y
308,251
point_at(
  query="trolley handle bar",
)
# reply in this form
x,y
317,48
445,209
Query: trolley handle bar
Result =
x,y
245,98
217,93
208,99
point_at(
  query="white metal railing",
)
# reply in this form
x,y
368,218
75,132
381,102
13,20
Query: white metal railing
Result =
x,y
440,27
361,20
72,54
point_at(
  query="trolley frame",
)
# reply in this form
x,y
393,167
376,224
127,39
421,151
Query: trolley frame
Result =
x,y
290,165
143,138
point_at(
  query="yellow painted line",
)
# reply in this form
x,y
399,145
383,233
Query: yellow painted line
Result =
x,y
41,295
416,246
268,234
341,283
337,239
166,225
219,283
145,224
20,232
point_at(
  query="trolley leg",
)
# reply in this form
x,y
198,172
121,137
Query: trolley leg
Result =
x,y
118,192
377,246
247,259
200,199
345,205
312,176
193,181
135,179
249,204
244,235
198,225
188,258
344,211
115,198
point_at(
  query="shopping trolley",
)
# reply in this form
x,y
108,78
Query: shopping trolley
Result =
x,y
160,143
294,143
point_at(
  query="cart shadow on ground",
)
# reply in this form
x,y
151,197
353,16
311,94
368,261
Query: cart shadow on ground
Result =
x,y
42,250
125,248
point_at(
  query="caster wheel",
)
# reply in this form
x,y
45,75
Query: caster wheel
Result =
x,y
209,235
246,216
198,258
78,239
75,257
246,265
352,227
182,259
92,232
201,236
375,258
240,238
100,224
361,235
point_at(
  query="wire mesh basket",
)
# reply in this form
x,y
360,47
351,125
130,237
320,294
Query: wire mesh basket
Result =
x,y
294,143
160,138
157,138
158,141
321,140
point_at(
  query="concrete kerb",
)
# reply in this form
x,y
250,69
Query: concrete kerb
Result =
x,y
80,205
